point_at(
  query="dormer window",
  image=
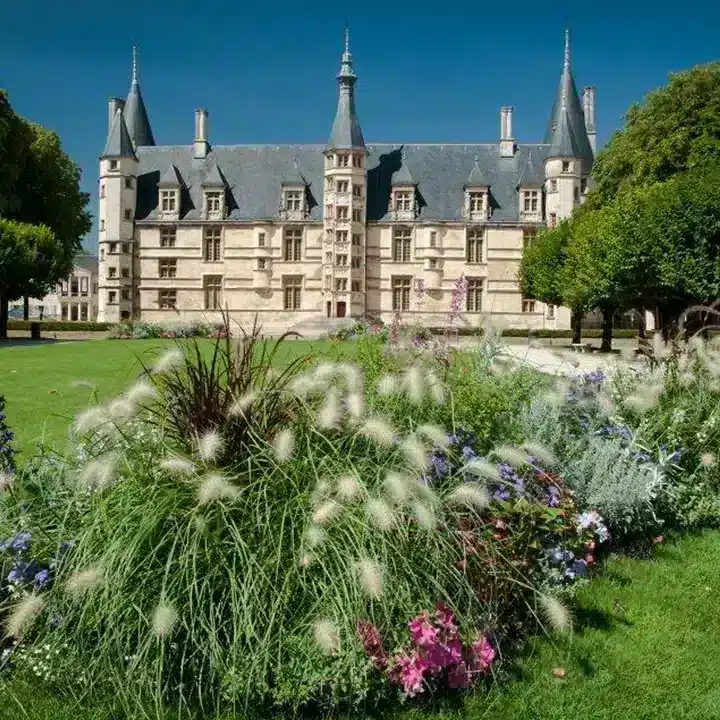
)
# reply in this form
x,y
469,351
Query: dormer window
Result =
x,y
214,204
294,205
403,200
168,200
293,200
530,204
476,203
404,206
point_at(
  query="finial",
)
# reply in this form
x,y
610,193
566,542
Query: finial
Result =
x,y
567,47
347,37
134,64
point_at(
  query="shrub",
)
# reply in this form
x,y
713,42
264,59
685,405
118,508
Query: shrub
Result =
x,y
7,450
227,558
59,326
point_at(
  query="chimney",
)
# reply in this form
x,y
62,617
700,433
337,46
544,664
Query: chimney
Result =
x,y
202,146
114,105
507,143
588,99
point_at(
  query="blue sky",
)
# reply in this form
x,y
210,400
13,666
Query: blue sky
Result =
x,y
266,70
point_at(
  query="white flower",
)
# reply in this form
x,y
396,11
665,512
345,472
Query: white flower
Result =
x,y
216,487
353,377
378,430
370,576
512,456
284,445
437,391
707,459
544,456
121,409
99,473
210,446
315,536
164,619
326,636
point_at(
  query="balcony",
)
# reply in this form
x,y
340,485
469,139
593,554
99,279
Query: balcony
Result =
x,y
261,279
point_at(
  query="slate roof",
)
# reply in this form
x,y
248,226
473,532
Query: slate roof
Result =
x,y
566,133
170,178
476,176
254,175
118,143
135,114
533,173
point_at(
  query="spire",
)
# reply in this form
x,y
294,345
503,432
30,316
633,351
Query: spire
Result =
x,y
135,114
118,143
566,133
346,133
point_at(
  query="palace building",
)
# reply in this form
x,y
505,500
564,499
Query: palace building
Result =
x,y
350,229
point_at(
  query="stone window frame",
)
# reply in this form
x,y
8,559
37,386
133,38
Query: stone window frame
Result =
x,y
474,295
212,243
475,245
168,236
212,291
169,200
401,286
292,286
293,244
167,268
402,244
167,299
528,305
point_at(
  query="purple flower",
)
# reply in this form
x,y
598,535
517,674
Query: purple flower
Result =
x,y
553,496
440,466
21,542
501,493
595,376
42,579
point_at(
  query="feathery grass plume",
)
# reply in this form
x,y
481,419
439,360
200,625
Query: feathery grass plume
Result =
x,y
141,390
326,512
83,384
556,613
6,481
167,361
707,459
415,452
512,456
22,615
644,399
326,636
686,379
378,430
483,468
387,385
435,434
380,514
100,473
178,465
355,405
371,577
349,488
302,385
89,420
216,487
321,492
315,536
353,377
397,486
305,560
284,445
660,349
331,410
436,388
424,515
470,494
325,372
545,457
422,490
164,619
210,446
243,403
121,409
83,580
414,385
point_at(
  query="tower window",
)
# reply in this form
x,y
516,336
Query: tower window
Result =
x,y
356,286
342,160
167,237
356,239
357,191
113,247
212,288
402,244
341,284
128,183
357,215
128,214
341,259
474,245
566,166
113,164
125,272
342,186
293,200
473,299
577,194
341,212
124,294
102,190
126,247
401,293
342,236
583,185
293,245
553,185
357,161
262,264
102,225
355,261
112,272
433,238
212,244
112,297
261,239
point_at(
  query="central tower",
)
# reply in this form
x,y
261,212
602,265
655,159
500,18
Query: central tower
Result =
x,y
344,203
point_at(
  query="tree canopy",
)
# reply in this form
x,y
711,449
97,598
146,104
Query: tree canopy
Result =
x,y
43,212
677,128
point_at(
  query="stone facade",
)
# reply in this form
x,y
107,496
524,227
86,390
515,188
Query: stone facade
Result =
x,y
293,233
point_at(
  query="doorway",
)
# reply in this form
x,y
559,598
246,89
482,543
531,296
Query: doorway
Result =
x,y
329,308
341,308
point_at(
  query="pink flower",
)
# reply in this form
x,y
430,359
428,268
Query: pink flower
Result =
x,y
444,617
442,655
423,633
482,654
458,676
409,671
372,643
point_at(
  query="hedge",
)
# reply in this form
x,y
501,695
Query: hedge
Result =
x,y
59,326
541,333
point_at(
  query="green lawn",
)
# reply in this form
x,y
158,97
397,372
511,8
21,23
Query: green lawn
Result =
x,y
37,381
645,649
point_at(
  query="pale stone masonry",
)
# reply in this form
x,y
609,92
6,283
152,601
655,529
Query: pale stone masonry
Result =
x,y
346,229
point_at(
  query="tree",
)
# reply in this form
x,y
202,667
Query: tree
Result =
x,y
40,187
540,271
676,129
30,259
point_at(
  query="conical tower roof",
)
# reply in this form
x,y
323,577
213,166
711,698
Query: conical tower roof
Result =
x,y
136,117
566,133
346,133
118,143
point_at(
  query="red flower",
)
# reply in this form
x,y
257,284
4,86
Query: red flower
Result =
x,y
372,643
